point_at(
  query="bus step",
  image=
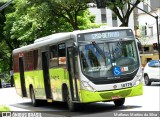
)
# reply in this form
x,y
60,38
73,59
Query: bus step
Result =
x,y
49,100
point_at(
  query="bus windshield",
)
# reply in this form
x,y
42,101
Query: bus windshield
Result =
x,y
100,59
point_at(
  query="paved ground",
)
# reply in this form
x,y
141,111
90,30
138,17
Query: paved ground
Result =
x,y
149,101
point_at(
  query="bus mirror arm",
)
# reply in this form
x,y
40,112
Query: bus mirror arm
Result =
x,y
75,48
139,45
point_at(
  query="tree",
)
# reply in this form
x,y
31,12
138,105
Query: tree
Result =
x,y
33,19
7,44
122,8
69,10
4,55
23,21
4,50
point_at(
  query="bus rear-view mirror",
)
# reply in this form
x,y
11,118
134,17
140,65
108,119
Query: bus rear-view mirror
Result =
x,y
75,48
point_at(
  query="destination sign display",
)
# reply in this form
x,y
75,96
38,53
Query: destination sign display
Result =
x,y
105,35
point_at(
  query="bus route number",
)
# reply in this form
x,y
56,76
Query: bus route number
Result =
x,y
126,85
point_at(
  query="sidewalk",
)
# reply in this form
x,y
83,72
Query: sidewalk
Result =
x,y
8,97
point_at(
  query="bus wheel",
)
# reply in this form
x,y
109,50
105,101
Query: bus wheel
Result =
x,y
32,96
71,106
146,80
119,102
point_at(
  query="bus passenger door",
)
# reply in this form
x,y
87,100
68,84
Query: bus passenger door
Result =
x,y
72,74
22,79
45,67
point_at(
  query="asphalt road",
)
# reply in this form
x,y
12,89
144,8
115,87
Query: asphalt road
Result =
x,y
149,101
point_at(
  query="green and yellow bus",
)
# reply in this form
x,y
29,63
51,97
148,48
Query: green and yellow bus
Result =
x,y
97,65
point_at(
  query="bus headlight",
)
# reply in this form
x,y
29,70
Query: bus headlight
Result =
x,y
139,80
87,86
137,83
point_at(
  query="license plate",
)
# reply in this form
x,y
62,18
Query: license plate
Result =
x,y
115,97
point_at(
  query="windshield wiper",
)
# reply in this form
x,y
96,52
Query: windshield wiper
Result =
x,y
99,50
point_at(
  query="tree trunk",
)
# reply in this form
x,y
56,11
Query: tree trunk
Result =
x,y
76,26
125,24
76,21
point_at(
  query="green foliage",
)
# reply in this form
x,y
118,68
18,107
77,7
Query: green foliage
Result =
x,y
68,10
4,55
4,50
2,20
33,19
4,108
23,21
4,1
86,20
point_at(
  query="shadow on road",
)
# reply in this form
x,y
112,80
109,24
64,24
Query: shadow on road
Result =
x,y
155,84
59,108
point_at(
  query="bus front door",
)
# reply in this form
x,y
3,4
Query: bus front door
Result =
x,y
22,79
45,67
72,73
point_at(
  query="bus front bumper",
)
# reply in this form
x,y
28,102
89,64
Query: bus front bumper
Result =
x,y
88,96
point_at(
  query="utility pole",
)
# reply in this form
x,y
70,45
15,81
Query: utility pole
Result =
x,y
156,17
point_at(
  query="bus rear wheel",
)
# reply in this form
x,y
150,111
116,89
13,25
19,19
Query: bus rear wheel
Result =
x,y
119,102
35,102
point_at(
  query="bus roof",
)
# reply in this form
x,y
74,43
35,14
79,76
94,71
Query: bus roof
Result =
x,y
100,29
54,38
59,37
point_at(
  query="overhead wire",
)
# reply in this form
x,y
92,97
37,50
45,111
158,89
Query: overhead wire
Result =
x,y
5,5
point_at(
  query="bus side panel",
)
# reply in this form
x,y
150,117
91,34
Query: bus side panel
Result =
x,y
28,81
35,78
16,74
58,76
17,83
39,84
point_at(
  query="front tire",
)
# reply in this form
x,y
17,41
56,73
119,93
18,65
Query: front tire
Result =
x,y
147,81
35,102
71,105
119,102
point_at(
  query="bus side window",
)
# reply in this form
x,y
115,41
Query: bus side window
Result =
x,y
35,59
15,63
53,56
28,61
62,54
